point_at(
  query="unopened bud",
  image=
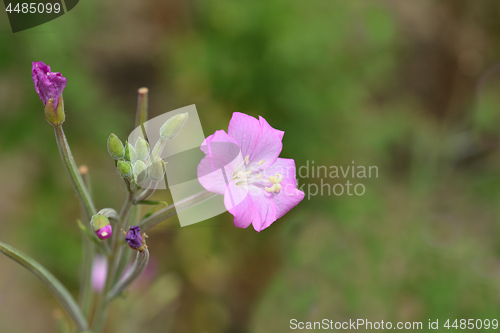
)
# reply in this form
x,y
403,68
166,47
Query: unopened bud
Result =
x,y
156,169
142,149
101,226
130,153
172,126
140,171
115,147
55,117
125,169
134,238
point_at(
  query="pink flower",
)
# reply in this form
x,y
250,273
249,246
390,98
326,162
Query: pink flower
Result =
x,y
243,165
48,84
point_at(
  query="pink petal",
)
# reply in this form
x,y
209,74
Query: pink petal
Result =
x,y
245,129
289,196
215,170
257,139
239,203
264,211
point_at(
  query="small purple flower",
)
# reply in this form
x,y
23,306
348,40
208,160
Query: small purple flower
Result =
x,y
104,232
47,84
99,272
243,165
134,238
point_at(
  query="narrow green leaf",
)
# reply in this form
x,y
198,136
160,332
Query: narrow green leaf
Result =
x,y
61,293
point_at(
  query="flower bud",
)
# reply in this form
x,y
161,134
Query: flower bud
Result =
x,y
100,225
172,126
140,171
125,169
104,232
130,153
156,169
135,240
115,147
49,87
142,149
56,117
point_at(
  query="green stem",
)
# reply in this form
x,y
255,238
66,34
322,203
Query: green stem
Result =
x,y
75,176
142,109
136,270
61,293
102,307
88,208
125,257
172,210
85,294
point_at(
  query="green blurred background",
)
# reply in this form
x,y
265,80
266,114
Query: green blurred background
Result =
x,y
409,86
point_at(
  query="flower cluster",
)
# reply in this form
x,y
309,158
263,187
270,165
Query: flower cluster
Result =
x,y
137,163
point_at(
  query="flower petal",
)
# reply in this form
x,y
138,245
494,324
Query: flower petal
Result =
x,y
47,84
245,129
239,203
289,196
264,211
257,139
223,155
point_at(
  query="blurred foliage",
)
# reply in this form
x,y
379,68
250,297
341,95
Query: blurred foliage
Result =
x,y
408,86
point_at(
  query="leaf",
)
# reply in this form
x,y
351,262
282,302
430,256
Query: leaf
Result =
x,y
61,293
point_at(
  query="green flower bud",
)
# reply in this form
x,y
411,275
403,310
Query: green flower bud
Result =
x,y
55,118
142,149
156,169
115,147
125,169
172,126
99,221
140,171
130,153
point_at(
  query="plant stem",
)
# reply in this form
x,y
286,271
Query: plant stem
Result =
x,y
85,294
88,208
136,270
61,293
172,210
76,178
103,304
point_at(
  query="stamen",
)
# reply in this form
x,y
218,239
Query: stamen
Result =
x,y
261,162
270,189
247,159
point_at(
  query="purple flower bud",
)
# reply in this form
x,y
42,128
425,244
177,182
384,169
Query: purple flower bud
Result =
x,y
104,232
134,238
48,85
